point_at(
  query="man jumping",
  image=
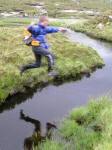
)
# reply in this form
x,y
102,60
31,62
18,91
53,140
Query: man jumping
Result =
x,y
39,32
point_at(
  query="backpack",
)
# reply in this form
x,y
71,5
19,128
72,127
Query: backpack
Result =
x,y
27,37
28,40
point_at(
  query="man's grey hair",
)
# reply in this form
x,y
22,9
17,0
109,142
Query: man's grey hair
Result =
x,y
43,18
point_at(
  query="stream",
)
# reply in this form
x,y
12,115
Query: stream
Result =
x,y
52,103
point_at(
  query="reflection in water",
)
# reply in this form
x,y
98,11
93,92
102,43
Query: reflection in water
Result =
x,y
13,101
37,137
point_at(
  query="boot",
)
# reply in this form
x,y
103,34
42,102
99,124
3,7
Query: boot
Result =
x,y
52,72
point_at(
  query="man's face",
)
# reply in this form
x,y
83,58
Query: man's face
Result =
x,y
45,23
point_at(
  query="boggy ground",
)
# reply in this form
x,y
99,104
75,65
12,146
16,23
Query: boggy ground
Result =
x,y
88,128
72,59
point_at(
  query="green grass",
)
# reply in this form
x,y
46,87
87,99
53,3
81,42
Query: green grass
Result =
x,y
50,145
99,5
14,21
87,128
50,5
15,5
91,28
13,54
52,8
24,6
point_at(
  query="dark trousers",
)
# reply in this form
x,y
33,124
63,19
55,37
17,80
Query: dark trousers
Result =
x,y
38,53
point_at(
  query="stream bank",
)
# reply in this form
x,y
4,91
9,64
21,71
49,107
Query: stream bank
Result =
x,y
98,28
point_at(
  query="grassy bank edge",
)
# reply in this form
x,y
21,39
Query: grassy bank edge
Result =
x,y
88,127
91,29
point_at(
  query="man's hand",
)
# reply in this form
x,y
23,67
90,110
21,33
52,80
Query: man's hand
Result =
x,y
33,23
61,29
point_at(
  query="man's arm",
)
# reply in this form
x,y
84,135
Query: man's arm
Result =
x,y
52,29
33,29
55,29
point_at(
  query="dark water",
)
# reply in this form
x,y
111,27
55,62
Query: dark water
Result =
x,y
52,103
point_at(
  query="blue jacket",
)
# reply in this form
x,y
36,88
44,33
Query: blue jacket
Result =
x,y
39,33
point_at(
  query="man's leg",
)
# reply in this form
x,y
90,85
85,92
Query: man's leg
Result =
x,y
49,55
37,63
50,58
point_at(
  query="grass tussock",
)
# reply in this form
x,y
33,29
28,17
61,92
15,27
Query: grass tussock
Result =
x,y
91,28
87,128
71,59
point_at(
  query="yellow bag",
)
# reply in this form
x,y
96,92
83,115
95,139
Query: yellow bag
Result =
x,y
29,41
27,37
35,43
26,33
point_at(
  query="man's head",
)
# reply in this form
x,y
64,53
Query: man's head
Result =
x,y
44,21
